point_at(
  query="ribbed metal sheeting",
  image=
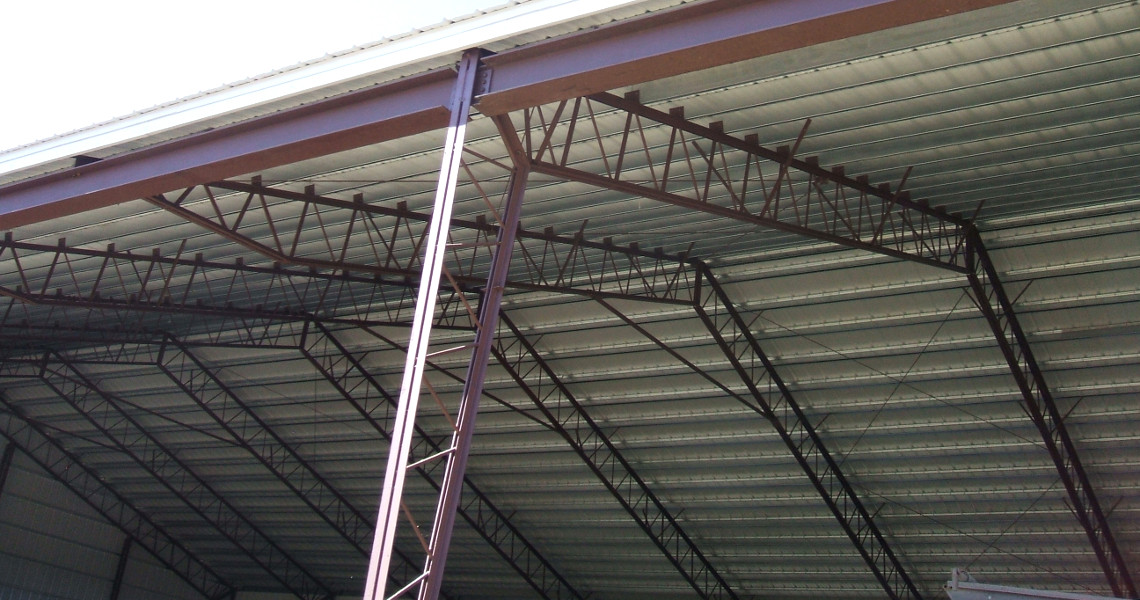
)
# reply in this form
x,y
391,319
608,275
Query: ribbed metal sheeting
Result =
x,y
1022,116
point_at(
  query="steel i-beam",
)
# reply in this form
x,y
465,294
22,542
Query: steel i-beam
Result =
x,y
990,297
773,400
398,455
362,391
94,489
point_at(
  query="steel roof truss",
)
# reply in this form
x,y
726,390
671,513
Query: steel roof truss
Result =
x,y
549,262
344,371
346,374
534,375
990,297
102,412
216,399
664,157
183,285
773,400
94,489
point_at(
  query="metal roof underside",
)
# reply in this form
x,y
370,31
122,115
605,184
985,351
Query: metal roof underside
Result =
x,y
1022,117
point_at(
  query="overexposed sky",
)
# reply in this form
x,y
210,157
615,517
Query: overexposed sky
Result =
x,y
68,64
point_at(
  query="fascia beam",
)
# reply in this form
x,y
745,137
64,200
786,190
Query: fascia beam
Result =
x,y
662,44
690,38
406,107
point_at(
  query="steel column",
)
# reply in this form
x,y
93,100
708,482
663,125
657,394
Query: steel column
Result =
x,y
991,298
121,569
361,390
774,401
473,386
6,465
390,499
93,489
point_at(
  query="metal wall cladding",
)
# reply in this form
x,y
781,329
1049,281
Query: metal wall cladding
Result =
x,y
56,547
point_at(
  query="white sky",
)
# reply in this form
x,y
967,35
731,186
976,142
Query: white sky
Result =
x,y
67,64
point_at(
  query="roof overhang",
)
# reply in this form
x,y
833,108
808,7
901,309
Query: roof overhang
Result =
x,y
658,45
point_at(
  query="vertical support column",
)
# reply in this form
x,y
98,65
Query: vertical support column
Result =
x,y
124,556
473,387
5,464
390,498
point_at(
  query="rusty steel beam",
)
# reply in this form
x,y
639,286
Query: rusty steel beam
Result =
x,y
665,43
541,384
664,157
102,412
97,492
990,297
771,398
689,38
385,112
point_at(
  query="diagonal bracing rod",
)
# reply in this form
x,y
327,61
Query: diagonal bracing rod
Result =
x,y
773,400
538,381
92,488
991,299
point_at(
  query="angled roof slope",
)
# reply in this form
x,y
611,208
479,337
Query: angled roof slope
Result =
x,y
675,291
